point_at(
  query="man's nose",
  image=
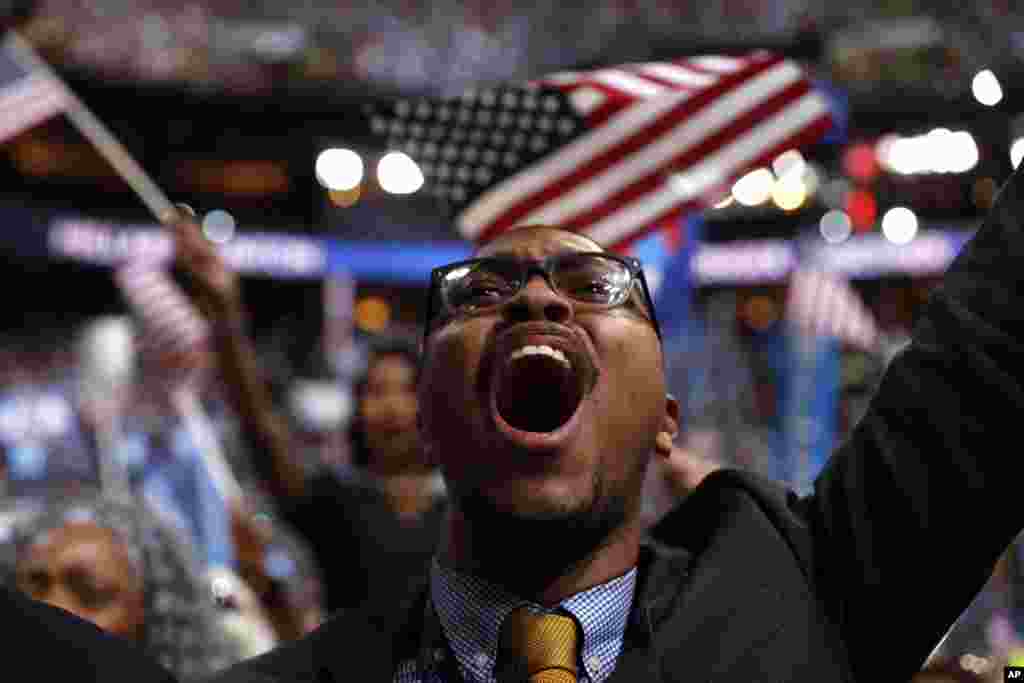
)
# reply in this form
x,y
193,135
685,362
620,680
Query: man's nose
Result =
x,y
539,301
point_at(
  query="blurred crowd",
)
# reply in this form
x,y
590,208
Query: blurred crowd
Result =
x,y
444,46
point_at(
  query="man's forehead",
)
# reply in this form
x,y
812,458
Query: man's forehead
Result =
x,y
537,242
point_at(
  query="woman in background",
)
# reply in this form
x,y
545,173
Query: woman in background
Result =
x,y
110,562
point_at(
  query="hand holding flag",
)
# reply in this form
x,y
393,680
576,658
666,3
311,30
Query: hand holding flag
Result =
x,y
32,92
217,292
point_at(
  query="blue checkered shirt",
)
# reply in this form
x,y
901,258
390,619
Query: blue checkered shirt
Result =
x,y
472,610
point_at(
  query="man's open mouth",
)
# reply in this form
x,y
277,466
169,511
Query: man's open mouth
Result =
x,y
539,387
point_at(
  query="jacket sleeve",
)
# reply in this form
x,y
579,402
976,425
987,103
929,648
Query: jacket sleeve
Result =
x,y
911,514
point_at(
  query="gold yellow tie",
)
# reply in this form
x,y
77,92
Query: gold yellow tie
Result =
x,y
543,646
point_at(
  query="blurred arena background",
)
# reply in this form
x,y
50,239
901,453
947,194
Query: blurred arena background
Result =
x,y
231,107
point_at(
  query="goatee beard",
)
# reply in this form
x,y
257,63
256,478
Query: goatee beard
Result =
x,y
524,553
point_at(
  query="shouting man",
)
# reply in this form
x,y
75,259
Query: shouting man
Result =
x,y
543,399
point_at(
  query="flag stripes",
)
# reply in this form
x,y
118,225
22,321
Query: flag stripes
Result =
x,y
823,304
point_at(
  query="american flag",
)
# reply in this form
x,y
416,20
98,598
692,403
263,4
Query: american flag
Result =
x,y
611,153
824,304
28,94
170,325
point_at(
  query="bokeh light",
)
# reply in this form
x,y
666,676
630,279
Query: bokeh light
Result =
x,y
862,209
986,88
345,198
1017,152
789,193
754,188
397,173
899,225
835,226
372,314
219,226
339,169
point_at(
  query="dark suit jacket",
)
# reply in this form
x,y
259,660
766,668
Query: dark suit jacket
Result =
x,y
858,581
43,643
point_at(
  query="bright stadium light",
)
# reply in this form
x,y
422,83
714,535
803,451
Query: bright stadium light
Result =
x,y
754,188
961,153
397,173
1017,152
789,193
986,88
939,151
339,169
789,164
899,225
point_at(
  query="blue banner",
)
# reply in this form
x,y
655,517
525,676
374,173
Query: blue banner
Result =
x,y
808,382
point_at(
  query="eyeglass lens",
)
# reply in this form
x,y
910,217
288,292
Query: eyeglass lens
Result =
x,y
589,278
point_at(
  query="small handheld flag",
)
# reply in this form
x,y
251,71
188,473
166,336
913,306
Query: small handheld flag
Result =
x,y
32,92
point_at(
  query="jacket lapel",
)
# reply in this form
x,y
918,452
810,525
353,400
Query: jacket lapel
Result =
x,y
377,639
661,573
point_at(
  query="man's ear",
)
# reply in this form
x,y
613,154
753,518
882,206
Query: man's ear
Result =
x,y
669,428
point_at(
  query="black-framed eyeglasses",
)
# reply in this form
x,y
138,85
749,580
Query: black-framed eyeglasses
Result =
x,y
592,279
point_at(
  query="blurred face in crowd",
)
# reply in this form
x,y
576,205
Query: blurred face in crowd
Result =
x,y
388,406
85,569
533,437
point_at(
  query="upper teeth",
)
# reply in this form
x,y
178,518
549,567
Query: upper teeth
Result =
x,y
541,350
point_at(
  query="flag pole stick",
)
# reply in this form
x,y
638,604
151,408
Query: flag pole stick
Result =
x,y
98,134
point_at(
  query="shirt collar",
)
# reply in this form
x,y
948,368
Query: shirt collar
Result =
x,y
471,611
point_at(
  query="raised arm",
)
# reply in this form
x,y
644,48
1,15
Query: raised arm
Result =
x,y
216,291
910,516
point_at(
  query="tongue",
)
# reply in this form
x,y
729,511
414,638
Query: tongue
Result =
x,y
537,393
